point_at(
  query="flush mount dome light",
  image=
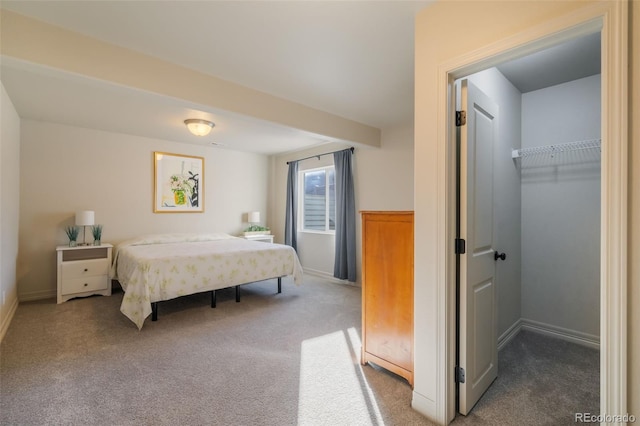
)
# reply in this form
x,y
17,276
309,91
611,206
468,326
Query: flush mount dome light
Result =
x,y
198,126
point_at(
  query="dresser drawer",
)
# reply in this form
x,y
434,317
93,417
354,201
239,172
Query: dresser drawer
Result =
x,y
79,285
84,268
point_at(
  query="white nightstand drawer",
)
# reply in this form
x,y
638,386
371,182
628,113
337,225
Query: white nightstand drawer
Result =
x,y
79,285
83,271
84,268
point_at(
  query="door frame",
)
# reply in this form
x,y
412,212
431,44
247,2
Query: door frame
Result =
x,y
611,19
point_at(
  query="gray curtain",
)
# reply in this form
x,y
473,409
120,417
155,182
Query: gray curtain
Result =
x,y
291,222
345,261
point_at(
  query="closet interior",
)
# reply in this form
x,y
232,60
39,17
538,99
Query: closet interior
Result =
x,y
547,192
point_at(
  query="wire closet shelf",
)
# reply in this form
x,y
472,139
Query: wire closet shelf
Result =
x,y
561,148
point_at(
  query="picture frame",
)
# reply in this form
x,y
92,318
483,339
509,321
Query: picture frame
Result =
x,y
178,183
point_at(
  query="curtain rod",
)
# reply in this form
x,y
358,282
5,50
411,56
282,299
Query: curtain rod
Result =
x,y
320,155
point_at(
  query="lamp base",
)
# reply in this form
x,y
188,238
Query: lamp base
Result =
x,y
84,237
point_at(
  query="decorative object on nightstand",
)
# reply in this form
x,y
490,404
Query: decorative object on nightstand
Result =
x,y
83,271
72,233
85,218
254,218
96,230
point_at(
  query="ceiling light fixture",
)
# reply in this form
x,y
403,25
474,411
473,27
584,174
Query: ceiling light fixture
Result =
x,y
198,126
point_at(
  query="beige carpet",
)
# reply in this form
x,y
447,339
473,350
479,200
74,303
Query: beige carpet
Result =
x,y
272,359
541,381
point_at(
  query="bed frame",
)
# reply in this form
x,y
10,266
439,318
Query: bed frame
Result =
x,y
154,305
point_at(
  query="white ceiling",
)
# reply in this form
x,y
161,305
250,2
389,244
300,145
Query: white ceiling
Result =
x,y
351,58
559,64
54,96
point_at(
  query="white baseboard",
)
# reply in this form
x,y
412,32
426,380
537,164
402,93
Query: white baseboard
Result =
x,y
424,406
37,295
566,334
328,276
508,335
4,326
573,336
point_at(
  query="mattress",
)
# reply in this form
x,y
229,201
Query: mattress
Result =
x,y
162,267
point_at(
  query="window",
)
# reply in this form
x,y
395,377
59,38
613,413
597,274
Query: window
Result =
x,y
319,200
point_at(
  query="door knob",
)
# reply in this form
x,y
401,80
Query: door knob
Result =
x,y
497,256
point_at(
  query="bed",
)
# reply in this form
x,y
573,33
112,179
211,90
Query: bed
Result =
x,y
155,268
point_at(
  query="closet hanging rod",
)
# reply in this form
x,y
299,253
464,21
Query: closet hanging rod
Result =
x,y
556,148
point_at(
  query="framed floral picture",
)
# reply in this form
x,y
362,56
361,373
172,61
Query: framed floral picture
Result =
x,y
178,183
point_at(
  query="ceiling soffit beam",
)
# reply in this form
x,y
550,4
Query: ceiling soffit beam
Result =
x,y
51,46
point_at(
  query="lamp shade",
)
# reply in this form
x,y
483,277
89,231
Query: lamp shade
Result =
x,y
85,218
199,127
254,217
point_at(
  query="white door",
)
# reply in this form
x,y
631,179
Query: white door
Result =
x,y
478,327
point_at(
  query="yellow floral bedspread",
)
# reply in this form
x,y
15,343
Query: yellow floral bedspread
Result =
x,y
162,267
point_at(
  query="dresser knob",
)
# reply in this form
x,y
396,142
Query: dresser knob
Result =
x,y
85,269
86,284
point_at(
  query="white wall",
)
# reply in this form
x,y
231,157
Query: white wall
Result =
x,y
383,180
9,208
561,210
65,169
385,175
506,201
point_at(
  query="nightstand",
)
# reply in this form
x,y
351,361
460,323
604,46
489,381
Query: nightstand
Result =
x,y
266,238
83,271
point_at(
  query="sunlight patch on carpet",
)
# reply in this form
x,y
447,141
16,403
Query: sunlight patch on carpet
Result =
x,y
333,389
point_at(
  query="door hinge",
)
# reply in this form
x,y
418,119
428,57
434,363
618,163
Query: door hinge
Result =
x,y
460,246
460,375
461,118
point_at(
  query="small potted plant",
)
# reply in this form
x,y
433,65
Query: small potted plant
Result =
x,y
72,232
96,230
257,230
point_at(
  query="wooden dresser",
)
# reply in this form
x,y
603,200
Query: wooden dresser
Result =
x,y
387,291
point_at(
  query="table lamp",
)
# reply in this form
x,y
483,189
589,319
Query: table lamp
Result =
x,y
85,218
